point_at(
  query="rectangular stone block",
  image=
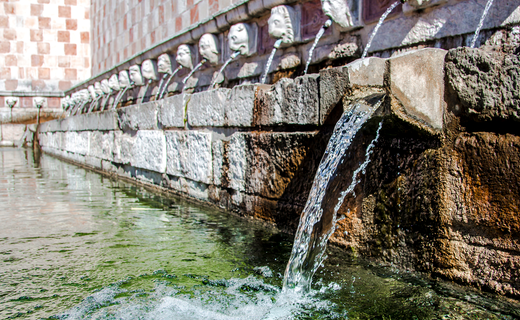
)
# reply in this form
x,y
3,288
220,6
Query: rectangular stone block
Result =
x,y
172,111
77,142
416,80
235,155
335,82
239,108
149,150
289,102
189,155
208,108
123,147
105,121
102,145
13,132
50,126
139,117
273,160
217,148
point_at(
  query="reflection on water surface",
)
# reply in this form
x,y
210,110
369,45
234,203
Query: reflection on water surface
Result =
x,y
76,245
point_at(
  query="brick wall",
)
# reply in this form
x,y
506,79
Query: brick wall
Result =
x,y
123,28
44,47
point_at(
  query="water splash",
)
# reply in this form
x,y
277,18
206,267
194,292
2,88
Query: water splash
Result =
x,y
270,60
249,298
197,67
161,95
327,24
228,61
481,23
310,243
381,20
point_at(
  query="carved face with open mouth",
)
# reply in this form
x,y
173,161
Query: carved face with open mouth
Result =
x,y
208,48
280,23
184,56
124,79
135,75
239,38
338,11
113,83
149,70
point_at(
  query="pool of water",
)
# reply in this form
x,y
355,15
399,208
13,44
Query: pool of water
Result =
x,y
77,245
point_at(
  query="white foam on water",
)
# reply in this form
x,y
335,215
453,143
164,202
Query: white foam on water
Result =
x,y
234,299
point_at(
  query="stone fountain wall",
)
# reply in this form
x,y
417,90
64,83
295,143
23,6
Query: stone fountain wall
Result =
x,y
441,194
441,24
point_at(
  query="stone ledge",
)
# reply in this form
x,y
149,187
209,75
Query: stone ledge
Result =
x,y
416,80
139,116
171,112
337,82
289,102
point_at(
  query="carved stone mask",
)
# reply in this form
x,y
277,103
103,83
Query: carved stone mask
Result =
x,y
92,92
85,95
208,45
238,38
113,83
164,63
39,102
339,11
97,88
124,79
184,56
135,75
105,86
65,102
281,23
11,102
149,70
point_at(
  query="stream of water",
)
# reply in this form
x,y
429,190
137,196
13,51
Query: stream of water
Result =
x,y
481,23
310,243
221,70
316,40
270,60
376,28
77,245
197,67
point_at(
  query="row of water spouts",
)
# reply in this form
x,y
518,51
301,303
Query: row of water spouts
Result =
x,y
283,25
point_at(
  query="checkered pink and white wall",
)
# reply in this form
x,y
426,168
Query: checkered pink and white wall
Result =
x,y
44,45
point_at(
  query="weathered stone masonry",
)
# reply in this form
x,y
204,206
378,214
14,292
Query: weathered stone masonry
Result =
x,y
441,194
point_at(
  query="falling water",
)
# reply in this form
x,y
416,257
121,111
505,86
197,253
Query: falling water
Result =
x,y
481,23
116,102
168,81
270,60
80,108
327,24
159,88
228,61
106,101
309,246
145,90
197,67
93,104
381,20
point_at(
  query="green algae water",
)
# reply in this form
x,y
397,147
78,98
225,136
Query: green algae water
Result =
x,y
76,245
